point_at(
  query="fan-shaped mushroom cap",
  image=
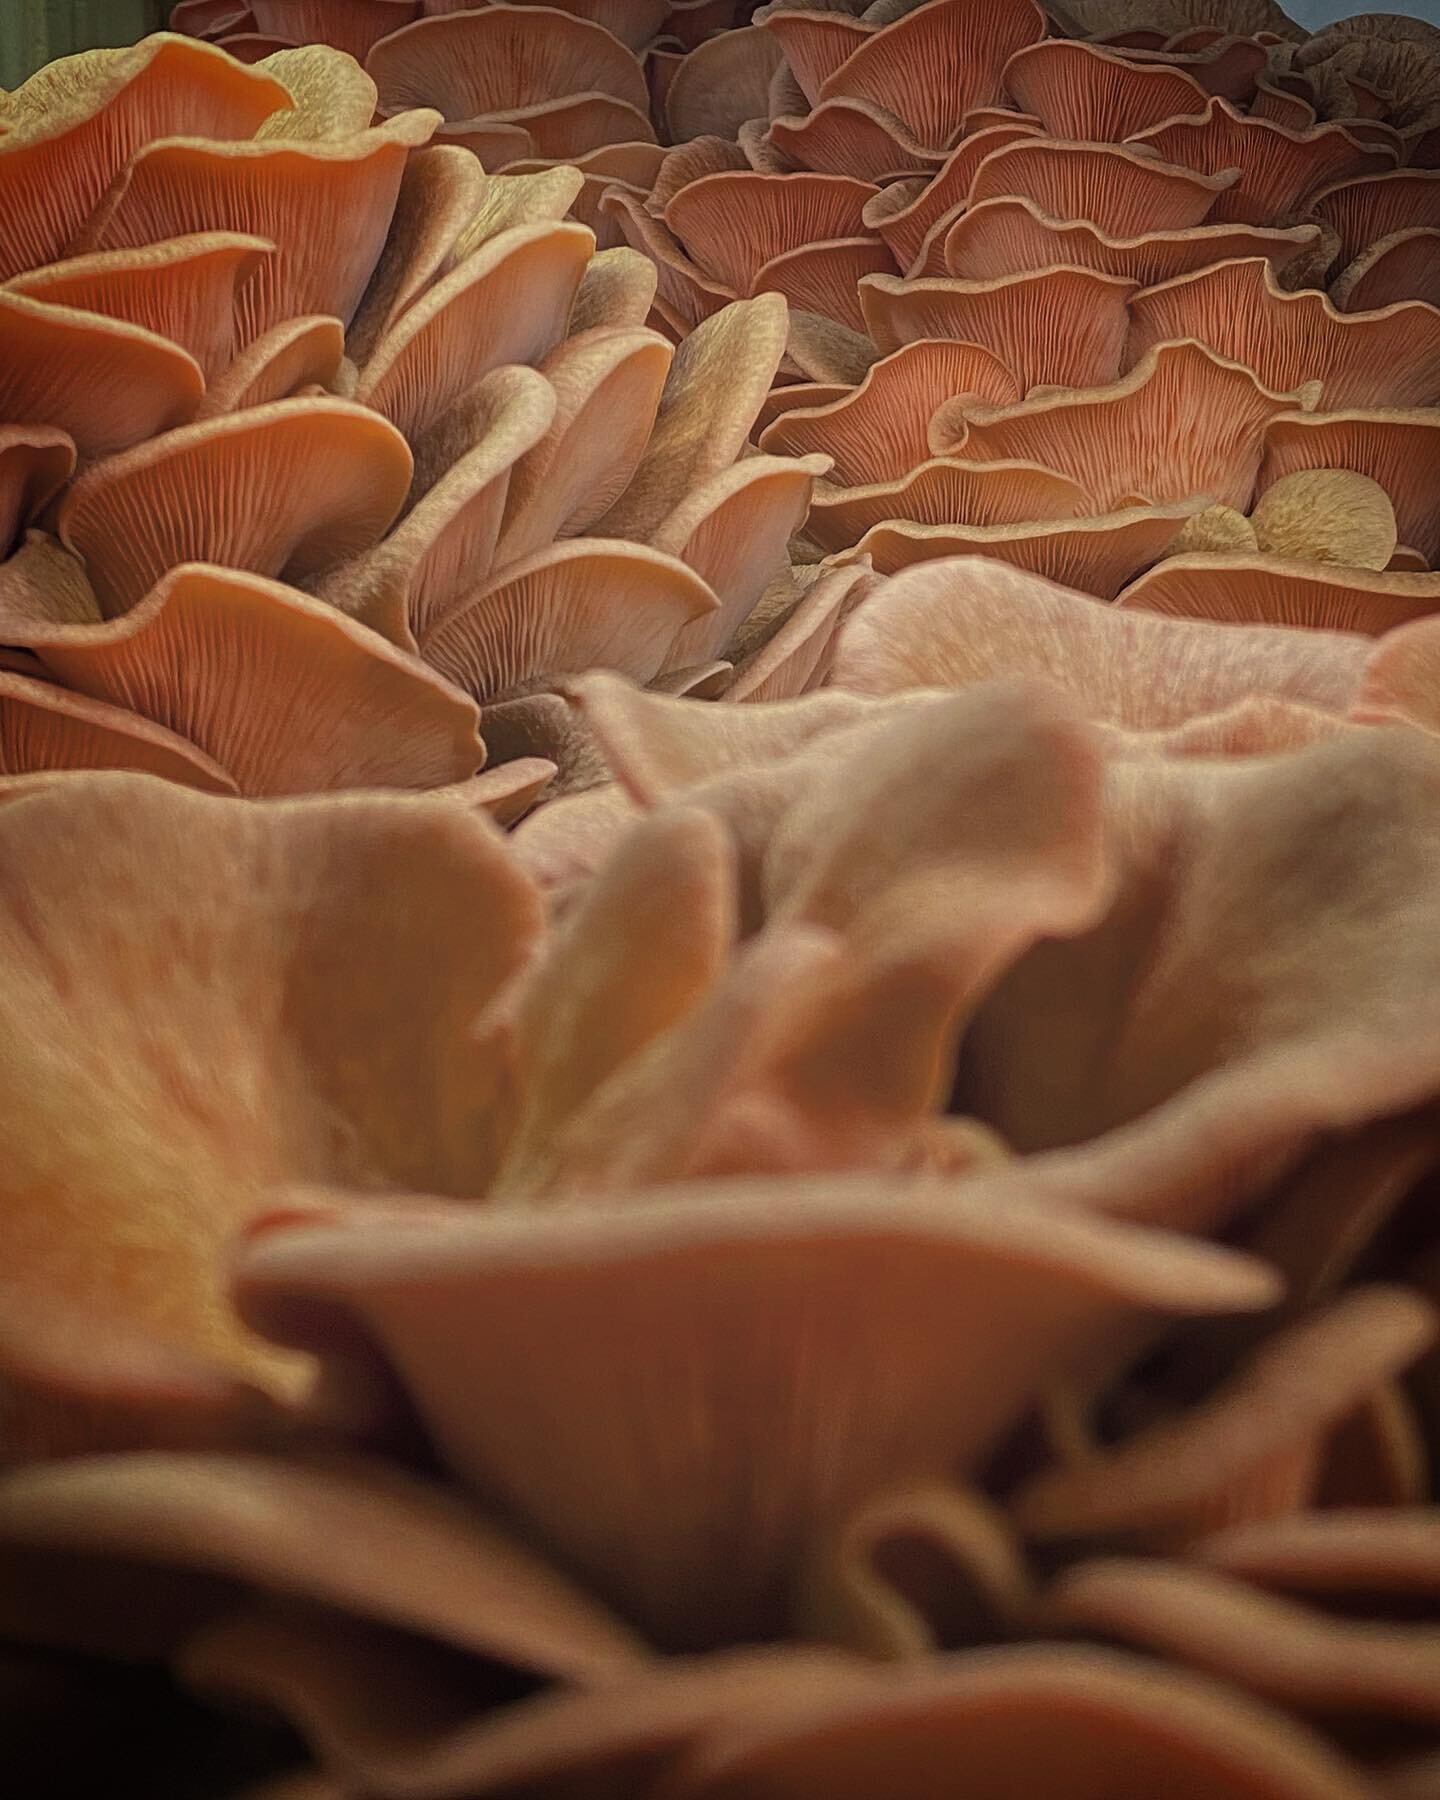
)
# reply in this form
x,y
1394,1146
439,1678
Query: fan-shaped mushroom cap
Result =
x,y
849,137
45,728
263,1525
506,303
1184,421
1002,237
905,216
584,603
1251,1448
736,1258
608,385
1115,188
1095,555
293,487
183,289
73,127
821,279
815,42
724,81
1280,169
326,206
534,66
411,578
942,489
934,64
35,463
1399,449
105,382
953,623
1294,1655
1255,589
333,96
1370,207
1389,358
794,657
717,382
617,289
285,694
685,294
877,431
735,222
1058,327
1093,94
176,925
354,26
278,365
1033,1714
733,530
440,194
1403,266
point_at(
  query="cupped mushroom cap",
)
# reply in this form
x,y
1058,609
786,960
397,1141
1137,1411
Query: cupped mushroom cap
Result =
x,y
1373,359
1398,448
1279,168
1403,266
1061,327
240,955
1183,421
944,489
508,302
183,289
1119,190
934,64
106,382
580,604
284,693
73,127
815,41
877,431
905,218
292,487
502,59
1002,237
297,355
748,1276
1274,590
1094,555
35,463
326,206
735,222
1095,95
1370,207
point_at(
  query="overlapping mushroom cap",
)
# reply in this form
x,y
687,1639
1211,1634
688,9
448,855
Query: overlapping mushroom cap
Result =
x,y
323,435
693,1231
1054,296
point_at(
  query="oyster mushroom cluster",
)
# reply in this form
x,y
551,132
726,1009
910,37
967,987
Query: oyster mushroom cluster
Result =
x,y
313,434
1090,303
717,869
